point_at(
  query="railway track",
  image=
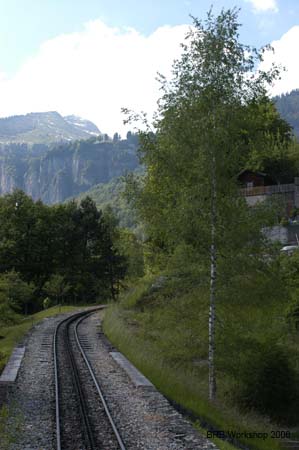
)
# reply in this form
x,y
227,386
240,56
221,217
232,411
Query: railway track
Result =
x,y
83,419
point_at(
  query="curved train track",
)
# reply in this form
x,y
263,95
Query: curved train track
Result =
x,y
83,419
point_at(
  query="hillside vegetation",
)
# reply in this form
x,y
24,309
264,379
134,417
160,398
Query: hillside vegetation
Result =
x,y
161,325
112,194
214,321
288,106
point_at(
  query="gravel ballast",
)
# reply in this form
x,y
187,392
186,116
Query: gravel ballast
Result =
x,y
32,398
144,418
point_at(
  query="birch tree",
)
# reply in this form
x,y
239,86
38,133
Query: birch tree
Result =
x,y
206,128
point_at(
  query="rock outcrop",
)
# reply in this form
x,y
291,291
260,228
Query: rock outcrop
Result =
x,y
55,173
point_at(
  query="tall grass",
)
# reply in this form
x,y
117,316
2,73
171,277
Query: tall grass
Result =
x,y
164,333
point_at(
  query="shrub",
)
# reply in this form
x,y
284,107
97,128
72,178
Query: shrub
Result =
x,y
268,382
46,303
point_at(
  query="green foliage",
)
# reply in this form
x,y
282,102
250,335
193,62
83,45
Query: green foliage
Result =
x,y
290,270
134,296
132,248
288,106
115,261
277,157
65,251
213,121
161,327
268,382
290,273
7,315
111,194
46,303
15,295
278,154
56,287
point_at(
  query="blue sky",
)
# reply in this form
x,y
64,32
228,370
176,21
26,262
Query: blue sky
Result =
x,y
59,33
24,25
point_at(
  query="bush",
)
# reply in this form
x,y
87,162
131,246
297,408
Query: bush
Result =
x,y
268,383
284,222
47,303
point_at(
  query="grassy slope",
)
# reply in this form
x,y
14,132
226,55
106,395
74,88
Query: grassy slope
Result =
x,y
164,333
12,335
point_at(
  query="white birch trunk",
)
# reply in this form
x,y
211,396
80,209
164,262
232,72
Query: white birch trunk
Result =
x,y
212,312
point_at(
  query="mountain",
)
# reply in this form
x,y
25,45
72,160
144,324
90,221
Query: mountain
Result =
x,y
83,125
54,173
54,158
288,107
45,128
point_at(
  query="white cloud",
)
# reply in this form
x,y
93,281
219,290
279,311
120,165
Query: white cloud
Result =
x,y
94,73
285,51
264,5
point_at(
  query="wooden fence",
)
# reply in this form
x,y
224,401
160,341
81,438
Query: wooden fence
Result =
x,y
267,190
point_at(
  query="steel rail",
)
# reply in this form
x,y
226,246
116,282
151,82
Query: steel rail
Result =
x,y
90,442
57,411
116,433
66,321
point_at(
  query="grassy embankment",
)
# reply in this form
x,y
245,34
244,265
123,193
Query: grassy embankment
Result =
x,y
163,331
10,336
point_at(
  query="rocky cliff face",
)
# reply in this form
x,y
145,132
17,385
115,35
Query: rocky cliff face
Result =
x,y
56,173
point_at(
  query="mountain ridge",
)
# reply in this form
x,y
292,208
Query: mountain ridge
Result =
x,y
45,128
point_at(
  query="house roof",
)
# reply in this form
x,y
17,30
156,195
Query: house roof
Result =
x,y
262,174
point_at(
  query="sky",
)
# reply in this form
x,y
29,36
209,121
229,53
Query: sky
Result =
x,y
91,58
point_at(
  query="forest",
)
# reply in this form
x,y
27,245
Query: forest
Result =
x,y
55,254
288,107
